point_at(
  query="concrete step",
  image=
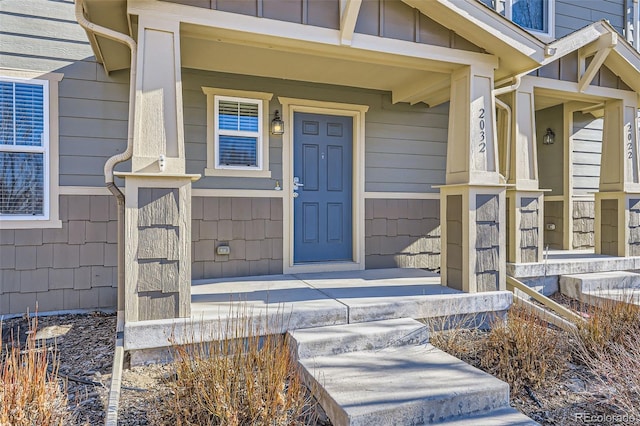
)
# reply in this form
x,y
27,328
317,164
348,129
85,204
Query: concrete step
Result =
x,y
605,297
503,417
404,385
576,285
337,339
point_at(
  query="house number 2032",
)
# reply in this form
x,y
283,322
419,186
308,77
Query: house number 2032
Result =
x,y
629,142
481,127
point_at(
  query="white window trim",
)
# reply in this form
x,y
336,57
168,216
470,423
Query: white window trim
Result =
x,y
262,98
546,36
50,218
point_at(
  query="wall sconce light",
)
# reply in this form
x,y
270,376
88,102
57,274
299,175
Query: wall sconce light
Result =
x,y
277,125
549,137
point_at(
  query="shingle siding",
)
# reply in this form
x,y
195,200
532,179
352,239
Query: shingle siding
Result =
x,y
254,236
79,258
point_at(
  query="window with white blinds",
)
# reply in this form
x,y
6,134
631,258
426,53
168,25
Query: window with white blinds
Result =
x,y
24,145
238,132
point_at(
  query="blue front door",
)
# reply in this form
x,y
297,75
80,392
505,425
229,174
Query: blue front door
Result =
x,y
322,212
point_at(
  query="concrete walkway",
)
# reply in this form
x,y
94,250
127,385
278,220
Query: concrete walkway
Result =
x,y
289,302
366,357
385,373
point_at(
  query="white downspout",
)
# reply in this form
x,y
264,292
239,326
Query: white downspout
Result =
x,y
111,418
507,89
507,108
124,39
124,156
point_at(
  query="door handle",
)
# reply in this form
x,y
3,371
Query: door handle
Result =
x,y
296,183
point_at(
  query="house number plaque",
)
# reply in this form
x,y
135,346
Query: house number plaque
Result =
x,y
482,143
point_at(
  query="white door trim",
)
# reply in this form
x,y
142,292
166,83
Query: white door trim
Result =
x,y
289,107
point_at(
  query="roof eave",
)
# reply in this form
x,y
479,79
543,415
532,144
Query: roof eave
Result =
x,y
518,50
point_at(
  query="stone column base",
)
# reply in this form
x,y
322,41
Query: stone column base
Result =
x,y
473,237
525,226
617,223
157,246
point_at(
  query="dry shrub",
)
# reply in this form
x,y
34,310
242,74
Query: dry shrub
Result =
x,y
239,381
608,345
611,322
523,350
459,335
30,392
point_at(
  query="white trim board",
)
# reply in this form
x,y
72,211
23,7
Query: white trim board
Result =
x,y
84,190
254,193
402,195
247,193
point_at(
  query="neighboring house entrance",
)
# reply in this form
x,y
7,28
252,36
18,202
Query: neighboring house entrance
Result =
x,y
322,166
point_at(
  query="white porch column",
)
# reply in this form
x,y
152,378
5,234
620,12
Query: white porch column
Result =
x,y
525,215
617,222
158,192
473,199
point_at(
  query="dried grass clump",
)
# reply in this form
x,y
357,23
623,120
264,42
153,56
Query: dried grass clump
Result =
x,y
459,335
239,381
608,345
611,322
523,350
30,391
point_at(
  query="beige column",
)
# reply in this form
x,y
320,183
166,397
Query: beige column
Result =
x,y
617,221
158,192
473,199
525,215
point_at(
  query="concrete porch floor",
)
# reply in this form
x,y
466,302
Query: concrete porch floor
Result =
x,y
287,302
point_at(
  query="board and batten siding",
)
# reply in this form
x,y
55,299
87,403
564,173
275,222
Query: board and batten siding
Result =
x,y
384,18
586,153
405,146
39,35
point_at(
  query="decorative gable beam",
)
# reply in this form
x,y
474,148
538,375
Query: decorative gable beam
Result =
x,y
349,10
605,41
574,41
434,92
602,47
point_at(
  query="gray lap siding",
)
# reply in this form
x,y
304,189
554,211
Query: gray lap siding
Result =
x,y
405,146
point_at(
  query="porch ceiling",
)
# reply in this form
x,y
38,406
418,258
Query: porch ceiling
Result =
x,y
268,61
546,98
226,42
411,72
